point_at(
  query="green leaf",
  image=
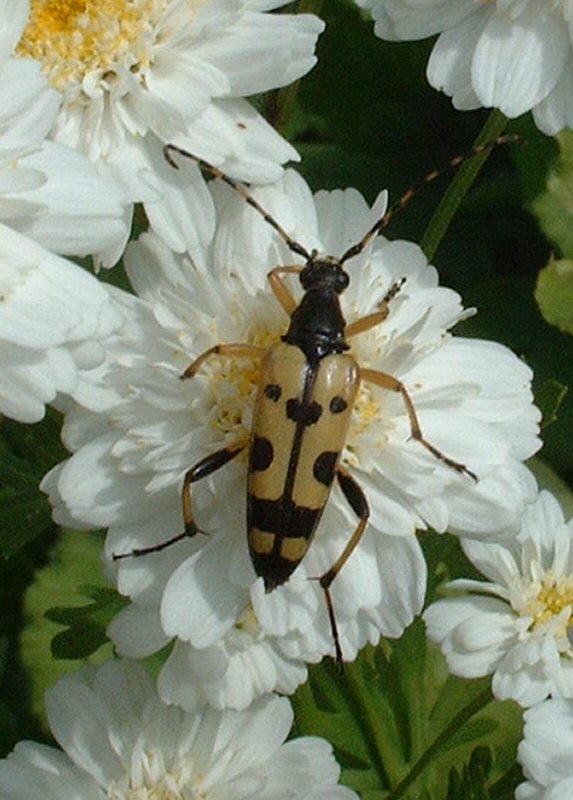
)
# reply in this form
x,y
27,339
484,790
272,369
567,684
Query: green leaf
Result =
x,y
548,479
549,396
75,561
85,625
554,208
27,452
470,784
399,723
554,294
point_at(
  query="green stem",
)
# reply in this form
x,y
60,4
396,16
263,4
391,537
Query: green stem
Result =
x,y
438,744
460,185
379,736
284,101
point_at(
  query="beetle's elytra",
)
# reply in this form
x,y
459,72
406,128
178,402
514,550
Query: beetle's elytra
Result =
x,y
307,387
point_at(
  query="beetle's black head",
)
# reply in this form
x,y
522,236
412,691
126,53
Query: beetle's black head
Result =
x,y
324,272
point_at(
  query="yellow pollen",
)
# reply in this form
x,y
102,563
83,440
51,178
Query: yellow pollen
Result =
x,y
552,598
233,384
248,622
73,38
367,409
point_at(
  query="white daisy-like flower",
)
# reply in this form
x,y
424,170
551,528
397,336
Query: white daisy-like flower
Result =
x,y
518,624
54,317
546,751
120,741
515,55
132,75
233,641
52,313
48,191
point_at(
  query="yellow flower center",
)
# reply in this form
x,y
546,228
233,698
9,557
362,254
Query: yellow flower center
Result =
x,y
233,386
553,596
248,622
73,38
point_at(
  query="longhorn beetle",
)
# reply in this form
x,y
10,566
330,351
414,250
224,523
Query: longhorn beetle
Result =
x,y
307,387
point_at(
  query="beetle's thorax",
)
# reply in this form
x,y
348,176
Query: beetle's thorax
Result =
x,y
317,324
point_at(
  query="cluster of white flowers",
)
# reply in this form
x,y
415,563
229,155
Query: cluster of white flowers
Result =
x,y
90,92
128,464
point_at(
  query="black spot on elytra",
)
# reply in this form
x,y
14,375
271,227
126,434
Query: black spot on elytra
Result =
x,y
261,455
338,404
305,413
324,467
273,391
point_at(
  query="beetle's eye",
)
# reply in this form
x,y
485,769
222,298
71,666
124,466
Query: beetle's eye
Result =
x,y
342,281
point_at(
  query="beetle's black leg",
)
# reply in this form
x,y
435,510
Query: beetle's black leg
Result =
x,y
394,385
357,501
201,469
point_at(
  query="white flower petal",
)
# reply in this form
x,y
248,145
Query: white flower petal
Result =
x,y
139,632
191,613
472,633
450,65
84,209
518,62
28,107
88,742
33,770
555,111
261,52
14,16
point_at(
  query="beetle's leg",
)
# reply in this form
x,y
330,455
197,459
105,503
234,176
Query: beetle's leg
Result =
x,y
227,350
392,384
357,501
280,289
371,320
201,469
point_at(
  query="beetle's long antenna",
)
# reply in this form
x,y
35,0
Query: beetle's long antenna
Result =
x,y
453,164
291,243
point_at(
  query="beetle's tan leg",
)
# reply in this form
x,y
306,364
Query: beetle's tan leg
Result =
x,y
280,289
201,469
226,350
371,320
392,384
357,501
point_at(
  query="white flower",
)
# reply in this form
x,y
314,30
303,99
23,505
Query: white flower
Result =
x,y
515,55
53,318
233,641
48,191
119,741
53,314
134,74
519,625
546,752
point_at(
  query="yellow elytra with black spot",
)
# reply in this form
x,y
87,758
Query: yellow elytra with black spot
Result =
x,y
300,425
